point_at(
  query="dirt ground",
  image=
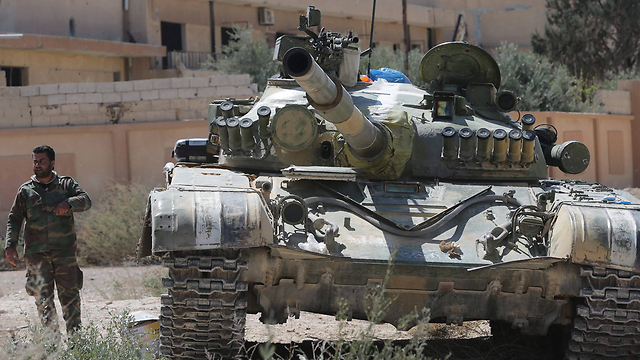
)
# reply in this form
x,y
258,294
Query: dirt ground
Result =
x,y
110,291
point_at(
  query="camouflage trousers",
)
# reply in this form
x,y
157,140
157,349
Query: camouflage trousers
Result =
x,y
59,268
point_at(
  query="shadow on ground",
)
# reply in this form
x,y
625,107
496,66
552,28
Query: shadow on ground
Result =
x,y
521,348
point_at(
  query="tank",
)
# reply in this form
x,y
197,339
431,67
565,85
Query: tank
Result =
x,y
296,200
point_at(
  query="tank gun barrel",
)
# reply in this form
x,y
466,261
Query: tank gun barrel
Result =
x,y
326,95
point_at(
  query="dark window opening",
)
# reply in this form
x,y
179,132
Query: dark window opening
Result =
x,y
171,37
227,32
72,27
431,34
396,47
14,76
415,46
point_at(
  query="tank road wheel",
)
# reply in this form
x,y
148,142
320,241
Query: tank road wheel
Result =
x,y
607,323
204,311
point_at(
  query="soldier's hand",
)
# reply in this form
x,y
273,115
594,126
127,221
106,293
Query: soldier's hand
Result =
x,y
62,208
12,255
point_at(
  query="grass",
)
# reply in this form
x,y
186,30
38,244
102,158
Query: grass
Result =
x,y
365,345
92,342
108,233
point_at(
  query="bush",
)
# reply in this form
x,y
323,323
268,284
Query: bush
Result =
x,y
113,341
245,55
108,233
541,85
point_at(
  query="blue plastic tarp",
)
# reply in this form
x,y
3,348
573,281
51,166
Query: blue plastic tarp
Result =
x,y
392,76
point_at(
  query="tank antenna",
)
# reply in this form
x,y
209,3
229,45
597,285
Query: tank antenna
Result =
x,y
373,16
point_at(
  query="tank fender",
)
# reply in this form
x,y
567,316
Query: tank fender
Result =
x,y
195,219
597,234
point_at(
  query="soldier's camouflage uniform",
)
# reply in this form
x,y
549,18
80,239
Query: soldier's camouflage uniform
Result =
x,y
50,244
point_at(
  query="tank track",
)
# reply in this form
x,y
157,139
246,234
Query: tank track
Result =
x,y
204,312
607,324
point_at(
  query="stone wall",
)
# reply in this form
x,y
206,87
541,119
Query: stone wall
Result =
x,y
118,102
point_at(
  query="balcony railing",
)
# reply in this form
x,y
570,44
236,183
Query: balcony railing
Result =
x,y
190,59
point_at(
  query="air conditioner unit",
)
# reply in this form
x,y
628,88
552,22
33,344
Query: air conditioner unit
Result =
x,y
265,16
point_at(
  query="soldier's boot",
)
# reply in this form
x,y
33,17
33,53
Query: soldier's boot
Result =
x,y
71,313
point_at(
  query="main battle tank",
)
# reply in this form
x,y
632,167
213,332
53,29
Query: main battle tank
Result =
x,y
297,200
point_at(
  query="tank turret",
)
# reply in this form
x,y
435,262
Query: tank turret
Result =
x,y
329,98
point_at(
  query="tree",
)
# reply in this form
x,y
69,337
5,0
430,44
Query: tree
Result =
x,y
540,84
245,55
591,36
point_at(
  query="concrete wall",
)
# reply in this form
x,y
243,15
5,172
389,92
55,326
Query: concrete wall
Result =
x,y
633,87
123,101
76,119
95,155
614,102
94,19
491,22
608,138
55,67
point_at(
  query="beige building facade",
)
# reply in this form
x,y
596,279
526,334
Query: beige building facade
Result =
x,y
492,22
105,133
47,42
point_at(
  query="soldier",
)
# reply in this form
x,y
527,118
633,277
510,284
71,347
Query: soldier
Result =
x,y
47,203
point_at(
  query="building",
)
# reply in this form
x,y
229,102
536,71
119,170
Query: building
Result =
x,y
67,41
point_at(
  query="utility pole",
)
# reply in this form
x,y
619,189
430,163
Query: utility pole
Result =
x,y
406,37
212,28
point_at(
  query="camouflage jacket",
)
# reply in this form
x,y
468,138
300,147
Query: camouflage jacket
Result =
x,y
44,230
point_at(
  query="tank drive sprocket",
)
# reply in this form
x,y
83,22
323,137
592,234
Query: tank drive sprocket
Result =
x,y
204,311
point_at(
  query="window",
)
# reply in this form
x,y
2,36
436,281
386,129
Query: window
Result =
x,y
15,76
171,37
226,36
431,35
72,27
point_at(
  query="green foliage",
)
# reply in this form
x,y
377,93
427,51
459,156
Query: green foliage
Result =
x,y
541,85
591,36
245,55
384,56
612,78
108,233
113,341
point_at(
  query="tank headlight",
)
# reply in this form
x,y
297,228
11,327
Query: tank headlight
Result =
x,y
293,210
506,101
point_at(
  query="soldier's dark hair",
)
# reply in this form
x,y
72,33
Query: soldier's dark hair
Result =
x,y
46,149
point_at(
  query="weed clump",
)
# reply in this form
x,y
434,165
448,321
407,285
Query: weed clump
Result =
x,y
109,232
366,345
114,341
